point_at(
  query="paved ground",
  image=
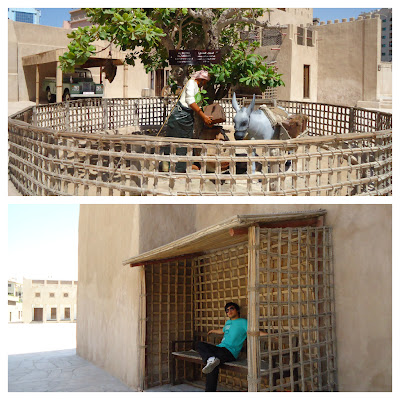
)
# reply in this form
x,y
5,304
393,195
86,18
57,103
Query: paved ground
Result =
x,y
42,358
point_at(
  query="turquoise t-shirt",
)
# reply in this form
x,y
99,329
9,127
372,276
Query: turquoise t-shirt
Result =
x,y
235,332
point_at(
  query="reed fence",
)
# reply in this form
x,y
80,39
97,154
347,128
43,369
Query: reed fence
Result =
x,y
288,292
110,147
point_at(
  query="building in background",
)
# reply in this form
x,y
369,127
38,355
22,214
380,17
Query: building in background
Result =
x,y
15,299
79,18
49,301
338,62
28,15
385,15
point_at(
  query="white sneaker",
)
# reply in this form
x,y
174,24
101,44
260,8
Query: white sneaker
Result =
x,y
212,362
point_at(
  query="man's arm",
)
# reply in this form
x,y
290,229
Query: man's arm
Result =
x,y
207,120
217,331
262,333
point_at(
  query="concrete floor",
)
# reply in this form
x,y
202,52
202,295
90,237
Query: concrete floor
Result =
x,y
58,371
42,358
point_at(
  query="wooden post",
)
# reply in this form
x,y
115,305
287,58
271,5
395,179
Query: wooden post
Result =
x,y
125,91
253,331
59,83
142,328
37,84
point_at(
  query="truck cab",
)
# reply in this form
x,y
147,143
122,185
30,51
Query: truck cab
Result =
x,y
75,85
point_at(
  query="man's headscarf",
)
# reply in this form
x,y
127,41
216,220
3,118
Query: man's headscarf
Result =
x,y
202,74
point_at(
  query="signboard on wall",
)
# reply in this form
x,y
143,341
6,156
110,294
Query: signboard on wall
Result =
x,y
194,57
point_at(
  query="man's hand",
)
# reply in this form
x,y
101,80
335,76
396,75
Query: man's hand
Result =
x,y
216,331
208,120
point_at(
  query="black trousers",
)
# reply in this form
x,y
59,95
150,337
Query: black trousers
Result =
x,y
207,350
180,125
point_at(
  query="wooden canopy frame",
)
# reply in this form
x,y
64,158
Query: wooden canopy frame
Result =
x,y
277,267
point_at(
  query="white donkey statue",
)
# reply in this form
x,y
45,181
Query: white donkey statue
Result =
x,y
252,124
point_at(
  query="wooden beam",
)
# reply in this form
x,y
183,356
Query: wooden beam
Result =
x,y
298,223
238,231
165,260
253,331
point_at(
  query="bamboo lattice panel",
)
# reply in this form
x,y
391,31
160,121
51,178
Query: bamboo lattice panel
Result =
x,y
169,316
220,277
53,151
297,308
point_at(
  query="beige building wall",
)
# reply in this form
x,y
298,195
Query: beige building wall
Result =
x,y
290,61
47,302
348,58
14,309
108,297
384,80
287,16
27,39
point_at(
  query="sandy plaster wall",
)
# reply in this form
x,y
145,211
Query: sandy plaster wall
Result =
x,y
348,55
108,292
27,39
363,268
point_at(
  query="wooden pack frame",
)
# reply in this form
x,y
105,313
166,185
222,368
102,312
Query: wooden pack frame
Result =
x,y
277,267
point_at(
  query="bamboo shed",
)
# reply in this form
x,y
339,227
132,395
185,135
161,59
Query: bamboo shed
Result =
x,y
278,268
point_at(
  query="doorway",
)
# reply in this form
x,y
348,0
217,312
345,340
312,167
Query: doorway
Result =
x,y
160,82
38,314
306,79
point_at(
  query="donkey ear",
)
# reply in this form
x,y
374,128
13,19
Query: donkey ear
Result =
x,y
252,104
234,103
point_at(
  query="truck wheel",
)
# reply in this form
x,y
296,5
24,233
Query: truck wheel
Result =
x,y
66,96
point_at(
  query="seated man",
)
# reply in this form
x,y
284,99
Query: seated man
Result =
x,y
235,333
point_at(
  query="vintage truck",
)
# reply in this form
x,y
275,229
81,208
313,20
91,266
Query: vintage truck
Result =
x,y
75,85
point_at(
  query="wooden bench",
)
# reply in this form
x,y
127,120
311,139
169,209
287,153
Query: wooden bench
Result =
x,y
240,365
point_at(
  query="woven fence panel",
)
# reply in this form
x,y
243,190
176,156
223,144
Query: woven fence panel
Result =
x,y
52,116
297,309
70,159
219,276
169,317
72,164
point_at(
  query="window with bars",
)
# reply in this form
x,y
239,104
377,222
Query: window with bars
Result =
x,y
300,36
271,37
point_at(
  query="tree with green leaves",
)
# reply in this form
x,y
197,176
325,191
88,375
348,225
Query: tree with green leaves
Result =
x,y
149,34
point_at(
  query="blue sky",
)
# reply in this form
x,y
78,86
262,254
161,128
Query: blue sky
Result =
x,y
43,241
325,14
56,16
